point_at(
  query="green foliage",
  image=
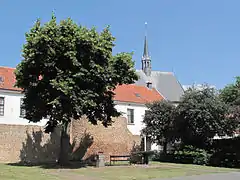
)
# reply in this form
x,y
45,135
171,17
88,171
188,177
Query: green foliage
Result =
x,y
69,71
231,93
200,116
231,96
158,122
184,155
135,158
191,155
163,157
225,153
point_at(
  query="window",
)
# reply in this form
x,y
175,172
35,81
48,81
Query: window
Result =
x,y
1,79
130,116
149,85
22,110
1,106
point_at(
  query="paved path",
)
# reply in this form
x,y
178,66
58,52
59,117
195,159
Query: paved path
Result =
x,y
218,176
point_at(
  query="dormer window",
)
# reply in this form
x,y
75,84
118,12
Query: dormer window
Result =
x,y
149,85
1,79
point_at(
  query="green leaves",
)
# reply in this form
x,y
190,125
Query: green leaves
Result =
x,y
231,93
78,73
159,122
199,116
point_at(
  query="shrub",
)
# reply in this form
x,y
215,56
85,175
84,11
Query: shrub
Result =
x,y
138,156
191,155
225,153
186,155
163,157
135,158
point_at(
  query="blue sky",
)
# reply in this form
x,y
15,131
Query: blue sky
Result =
x,y
198,40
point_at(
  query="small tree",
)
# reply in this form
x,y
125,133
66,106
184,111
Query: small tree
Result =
x,y
69,71
200,116
230,94
158,122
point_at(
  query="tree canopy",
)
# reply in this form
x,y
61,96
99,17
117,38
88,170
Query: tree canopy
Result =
x,y
230,94
69,71
200,116
158,122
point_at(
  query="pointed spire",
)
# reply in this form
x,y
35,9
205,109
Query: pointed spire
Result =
x,y
146,60
145,52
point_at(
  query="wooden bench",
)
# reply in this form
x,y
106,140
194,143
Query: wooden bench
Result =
x,y
114,158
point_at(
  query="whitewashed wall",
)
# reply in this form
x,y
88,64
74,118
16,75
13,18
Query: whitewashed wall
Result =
x,y
12,113
139,111
12,110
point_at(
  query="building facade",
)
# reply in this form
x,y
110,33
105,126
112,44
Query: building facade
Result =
x,y
130,100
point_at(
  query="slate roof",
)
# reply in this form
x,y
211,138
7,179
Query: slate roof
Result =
x,y
164,82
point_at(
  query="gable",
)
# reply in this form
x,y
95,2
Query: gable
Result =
x,y
164,82
7,79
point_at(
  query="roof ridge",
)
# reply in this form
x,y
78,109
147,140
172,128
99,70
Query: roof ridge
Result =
x,y
164,72
7,67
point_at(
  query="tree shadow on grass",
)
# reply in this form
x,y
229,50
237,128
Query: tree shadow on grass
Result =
x,y
44,152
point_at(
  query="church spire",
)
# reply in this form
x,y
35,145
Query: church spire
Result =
x,y
146,61
145,52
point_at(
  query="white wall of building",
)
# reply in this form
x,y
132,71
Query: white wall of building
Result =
x,y
12,110
139,111
12,113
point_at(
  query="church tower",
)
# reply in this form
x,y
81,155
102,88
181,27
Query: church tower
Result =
x,y
146,60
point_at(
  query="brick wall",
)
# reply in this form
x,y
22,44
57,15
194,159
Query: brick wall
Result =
x,y
27,143
31,144
113,140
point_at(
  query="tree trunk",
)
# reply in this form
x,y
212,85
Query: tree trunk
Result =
x,y
165,147
64,146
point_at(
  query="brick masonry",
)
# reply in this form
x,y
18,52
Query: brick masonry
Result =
x,y
113,140
31,144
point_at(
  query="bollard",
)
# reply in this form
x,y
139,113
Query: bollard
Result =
x,y
100,160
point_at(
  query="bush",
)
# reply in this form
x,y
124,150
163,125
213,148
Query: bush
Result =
x,y
135,158
162,157
225,153
191,155
185,155
138,156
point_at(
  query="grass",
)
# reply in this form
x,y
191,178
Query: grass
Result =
x,y
154,170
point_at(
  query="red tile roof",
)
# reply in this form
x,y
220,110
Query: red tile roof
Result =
x,y
136,94
124,93
7,79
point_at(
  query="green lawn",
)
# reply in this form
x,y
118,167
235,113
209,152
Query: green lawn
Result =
x,y
155,170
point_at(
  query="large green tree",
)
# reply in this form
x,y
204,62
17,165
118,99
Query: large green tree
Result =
x,y
200,116
158,122
69,71
230,94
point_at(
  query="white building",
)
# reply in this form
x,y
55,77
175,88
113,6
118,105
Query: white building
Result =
x,y
10,100
130,101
